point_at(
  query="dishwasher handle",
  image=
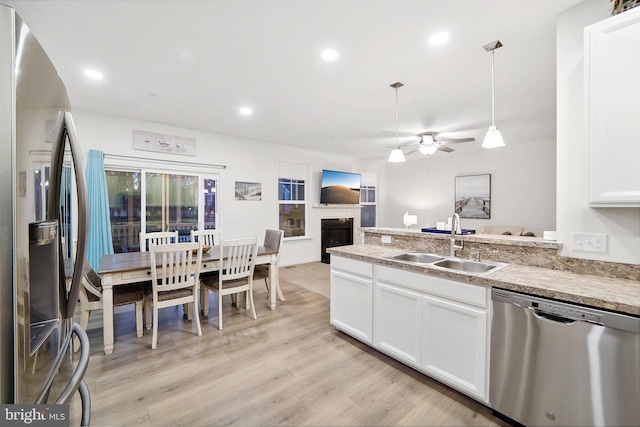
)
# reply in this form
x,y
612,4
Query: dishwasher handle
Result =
x,y
550,316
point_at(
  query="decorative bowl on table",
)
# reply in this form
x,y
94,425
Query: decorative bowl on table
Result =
x,y
205,248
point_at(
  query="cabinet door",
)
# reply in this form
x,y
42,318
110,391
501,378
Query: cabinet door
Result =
x,y
454,347
351,304
396,322
612,94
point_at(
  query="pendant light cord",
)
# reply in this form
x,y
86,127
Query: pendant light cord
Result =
x,y
397,145
493,89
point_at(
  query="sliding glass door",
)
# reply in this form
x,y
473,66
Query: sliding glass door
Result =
x,y
159,201
171,203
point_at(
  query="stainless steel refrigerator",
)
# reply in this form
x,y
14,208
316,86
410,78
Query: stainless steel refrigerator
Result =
x,y
43,219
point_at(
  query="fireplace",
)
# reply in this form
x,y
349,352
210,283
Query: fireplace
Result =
x,y
335,232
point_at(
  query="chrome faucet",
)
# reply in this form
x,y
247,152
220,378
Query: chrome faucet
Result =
x,y
455,226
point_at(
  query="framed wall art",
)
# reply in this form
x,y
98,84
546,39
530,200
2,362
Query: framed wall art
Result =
x,y
248,190
473,196
159,143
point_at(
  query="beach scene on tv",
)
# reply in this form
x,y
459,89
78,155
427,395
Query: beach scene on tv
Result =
x,y
340,188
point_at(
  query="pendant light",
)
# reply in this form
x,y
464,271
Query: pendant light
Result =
x,y
396,155
493,138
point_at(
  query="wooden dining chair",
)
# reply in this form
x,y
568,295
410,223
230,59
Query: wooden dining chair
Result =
x,y
207,237
157,238
272,240
237,262
175,269
91,298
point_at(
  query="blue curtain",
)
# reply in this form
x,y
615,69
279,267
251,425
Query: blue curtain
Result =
x,y
99,241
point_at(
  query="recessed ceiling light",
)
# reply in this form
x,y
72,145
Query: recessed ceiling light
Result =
x,y
329,54
97,75
438,38
245,111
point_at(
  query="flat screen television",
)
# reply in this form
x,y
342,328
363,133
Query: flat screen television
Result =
x,y
340,188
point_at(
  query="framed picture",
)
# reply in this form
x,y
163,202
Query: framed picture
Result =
x,y
473,196
160,143
248,190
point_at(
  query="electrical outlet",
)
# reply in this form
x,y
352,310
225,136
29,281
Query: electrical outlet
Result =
x,y
385,239
589,242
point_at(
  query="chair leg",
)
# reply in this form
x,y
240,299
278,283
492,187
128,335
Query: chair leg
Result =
x,y
147,314
84,322
219,310
154,339
196,318
250,300
188,310
139,318
280,295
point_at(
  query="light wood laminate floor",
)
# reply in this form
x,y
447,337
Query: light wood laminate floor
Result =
x,y
287,368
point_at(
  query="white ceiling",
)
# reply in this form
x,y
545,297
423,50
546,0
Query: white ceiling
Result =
x,y
194,63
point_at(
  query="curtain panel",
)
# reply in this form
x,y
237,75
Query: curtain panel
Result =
x,y
99,241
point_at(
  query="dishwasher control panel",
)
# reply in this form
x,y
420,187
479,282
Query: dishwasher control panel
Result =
x,y
567,311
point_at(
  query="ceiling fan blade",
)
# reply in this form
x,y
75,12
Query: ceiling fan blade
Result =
x,y
445,149
412,151
455,140
403,145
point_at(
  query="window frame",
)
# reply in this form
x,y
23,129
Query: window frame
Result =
x,y
295,172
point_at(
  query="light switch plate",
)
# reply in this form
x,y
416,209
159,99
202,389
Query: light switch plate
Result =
x,y
589,242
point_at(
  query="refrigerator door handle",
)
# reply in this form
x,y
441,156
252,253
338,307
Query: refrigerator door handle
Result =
x,y
76,382
66,128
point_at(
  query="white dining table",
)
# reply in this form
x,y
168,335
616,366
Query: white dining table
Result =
x,y
133,267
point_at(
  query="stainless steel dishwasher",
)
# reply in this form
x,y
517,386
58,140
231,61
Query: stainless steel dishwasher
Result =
x,y
558,364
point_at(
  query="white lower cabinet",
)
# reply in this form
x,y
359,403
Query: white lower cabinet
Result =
x,y
437,326
454,345
396,323
352,298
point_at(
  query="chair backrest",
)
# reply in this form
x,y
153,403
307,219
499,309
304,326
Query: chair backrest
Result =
x,y
273,240
175,266
91,281
238,258
207,237
157,238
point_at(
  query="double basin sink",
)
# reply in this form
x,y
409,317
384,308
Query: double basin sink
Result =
x,y
449,263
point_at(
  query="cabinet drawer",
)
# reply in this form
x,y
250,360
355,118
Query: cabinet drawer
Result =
x,y
438,286
360,268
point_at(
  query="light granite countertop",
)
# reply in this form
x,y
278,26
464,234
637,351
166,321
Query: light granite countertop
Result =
x,y
619,295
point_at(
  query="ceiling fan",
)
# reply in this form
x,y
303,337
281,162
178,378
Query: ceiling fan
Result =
x,y
429,143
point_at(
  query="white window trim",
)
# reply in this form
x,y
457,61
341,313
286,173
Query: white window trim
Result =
x,y
302,174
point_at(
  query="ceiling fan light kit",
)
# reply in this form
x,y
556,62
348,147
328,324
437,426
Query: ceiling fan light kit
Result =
x,y
493,138
427,150
396,155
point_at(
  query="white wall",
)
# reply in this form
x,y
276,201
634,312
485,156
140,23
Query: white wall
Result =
x,y
522,186
622,225
245,160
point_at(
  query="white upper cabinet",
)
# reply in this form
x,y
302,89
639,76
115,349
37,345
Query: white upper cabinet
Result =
x,y
612,100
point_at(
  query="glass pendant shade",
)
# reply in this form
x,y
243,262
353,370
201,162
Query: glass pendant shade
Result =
x,y
493,138
396,156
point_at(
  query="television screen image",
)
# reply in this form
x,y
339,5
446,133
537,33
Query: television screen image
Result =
x,y
340,188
